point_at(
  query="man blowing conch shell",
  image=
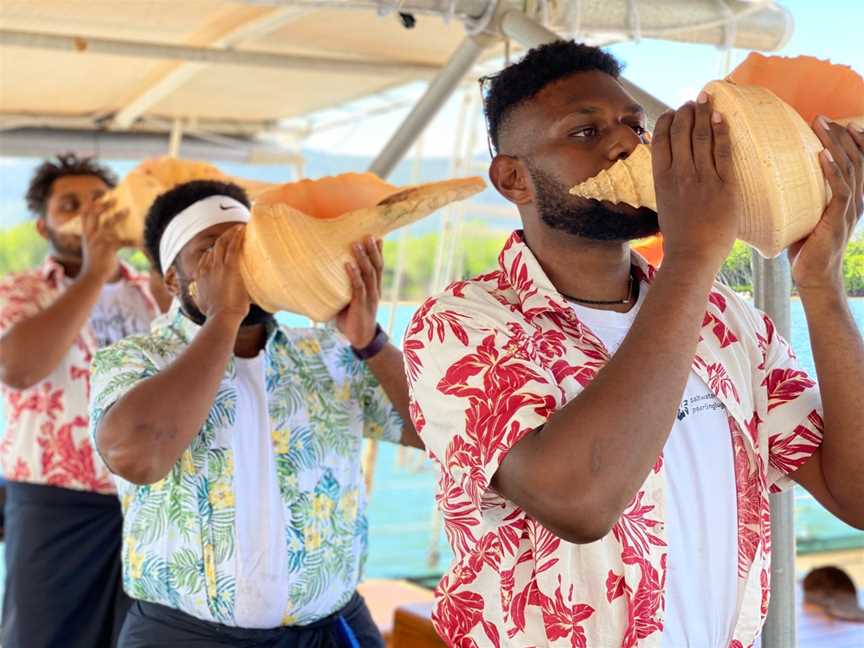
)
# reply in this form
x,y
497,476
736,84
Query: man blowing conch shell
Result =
x,y
236,445
607,433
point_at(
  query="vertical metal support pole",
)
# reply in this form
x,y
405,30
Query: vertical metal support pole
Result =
x,y
436,95
772,283
176,138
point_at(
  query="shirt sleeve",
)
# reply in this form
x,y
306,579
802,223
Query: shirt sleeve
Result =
x,y
114,371
381,421
18,301
793,423
476,389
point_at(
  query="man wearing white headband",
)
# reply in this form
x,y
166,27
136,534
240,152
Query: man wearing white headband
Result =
x,y
236,445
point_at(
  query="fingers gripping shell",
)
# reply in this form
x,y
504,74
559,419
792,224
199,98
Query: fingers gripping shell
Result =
x,y
774,159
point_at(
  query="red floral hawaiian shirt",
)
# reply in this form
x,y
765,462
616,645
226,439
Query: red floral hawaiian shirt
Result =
x,y
490,360
46,440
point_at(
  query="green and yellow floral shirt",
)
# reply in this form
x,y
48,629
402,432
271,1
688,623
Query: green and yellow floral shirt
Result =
x,y
179,534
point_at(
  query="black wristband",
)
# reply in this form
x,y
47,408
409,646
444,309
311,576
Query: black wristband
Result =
x,y
374,347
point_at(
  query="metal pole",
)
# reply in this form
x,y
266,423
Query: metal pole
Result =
x,y
176,138
525,30
457,9
438,92
757,24
215,55
772,283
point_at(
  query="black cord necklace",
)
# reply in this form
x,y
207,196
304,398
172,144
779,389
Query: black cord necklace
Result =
x,y
616,302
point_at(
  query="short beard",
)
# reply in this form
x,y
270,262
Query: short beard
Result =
x,y
589,219
255,316
65,246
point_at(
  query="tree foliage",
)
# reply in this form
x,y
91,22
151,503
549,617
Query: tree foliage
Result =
x,y
474,252
21,247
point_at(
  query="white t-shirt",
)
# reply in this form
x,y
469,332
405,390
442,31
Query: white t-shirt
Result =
x,y
701,505
261,562
120,312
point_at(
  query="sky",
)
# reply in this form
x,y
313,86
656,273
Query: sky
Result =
x,y
673,72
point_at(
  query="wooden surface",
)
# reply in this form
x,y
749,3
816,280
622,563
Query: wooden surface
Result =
x,y
383,597
412,627
850,560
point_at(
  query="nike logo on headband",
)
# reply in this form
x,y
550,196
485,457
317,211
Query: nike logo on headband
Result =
x,y
223,207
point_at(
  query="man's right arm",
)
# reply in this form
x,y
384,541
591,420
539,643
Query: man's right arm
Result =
x,y
35,346
144,433
577,473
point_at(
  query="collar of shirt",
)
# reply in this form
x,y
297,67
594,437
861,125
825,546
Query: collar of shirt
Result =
x,y
186,330
537,295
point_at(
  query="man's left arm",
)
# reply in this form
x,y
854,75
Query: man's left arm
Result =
x,y
834,474
358,323
389,368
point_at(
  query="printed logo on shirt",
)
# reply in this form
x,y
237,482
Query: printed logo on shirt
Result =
x,y
699,404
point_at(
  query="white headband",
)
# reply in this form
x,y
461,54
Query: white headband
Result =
x,y
197,217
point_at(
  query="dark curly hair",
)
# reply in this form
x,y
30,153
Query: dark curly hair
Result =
x,y
66,164
172,202
541,66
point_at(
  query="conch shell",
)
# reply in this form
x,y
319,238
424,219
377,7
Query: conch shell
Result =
x,y
811,86
300,235
774,158
629,181
147,181
650,249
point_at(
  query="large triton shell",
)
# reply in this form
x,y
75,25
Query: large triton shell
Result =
x,y
147,181
774,158
300,236
774,150
651,249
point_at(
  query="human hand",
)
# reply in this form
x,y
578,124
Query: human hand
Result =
x,y
100,242
817,260
697,196
358,320
218,287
